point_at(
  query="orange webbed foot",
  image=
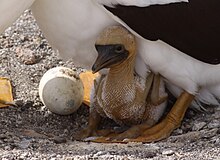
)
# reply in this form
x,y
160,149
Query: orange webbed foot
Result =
x,y
163,129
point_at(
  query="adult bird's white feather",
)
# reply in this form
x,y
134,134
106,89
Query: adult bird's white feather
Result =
x,y
10,10
72,26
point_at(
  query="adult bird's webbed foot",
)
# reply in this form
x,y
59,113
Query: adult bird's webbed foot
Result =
x,y
172,121
88,132
133,132
163,129
123,137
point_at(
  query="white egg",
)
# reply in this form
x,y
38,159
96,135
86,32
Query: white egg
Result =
x,y
61,90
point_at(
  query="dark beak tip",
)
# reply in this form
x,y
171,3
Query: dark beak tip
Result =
x,y
94,67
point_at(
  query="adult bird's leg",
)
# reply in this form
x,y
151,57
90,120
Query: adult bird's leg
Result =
x,y
169,123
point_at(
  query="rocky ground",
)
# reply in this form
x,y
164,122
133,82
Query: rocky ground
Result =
x,y
30,131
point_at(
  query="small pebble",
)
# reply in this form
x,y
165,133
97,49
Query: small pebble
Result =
x,y
214,124
198,126
168,152
24,144
27,56
59,140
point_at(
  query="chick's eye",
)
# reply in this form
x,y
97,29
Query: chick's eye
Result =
x,y
119,48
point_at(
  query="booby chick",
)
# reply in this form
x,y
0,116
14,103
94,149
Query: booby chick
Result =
x,y
121,95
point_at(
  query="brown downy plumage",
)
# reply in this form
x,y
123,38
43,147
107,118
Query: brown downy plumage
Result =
x,y
121,94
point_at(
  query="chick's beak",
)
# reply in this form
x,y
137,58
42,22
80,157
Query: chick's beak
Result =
x,y
109,55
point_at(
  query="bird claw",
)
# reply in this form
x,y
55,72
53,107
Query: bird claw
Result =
x,y
89,139
106,140
115,138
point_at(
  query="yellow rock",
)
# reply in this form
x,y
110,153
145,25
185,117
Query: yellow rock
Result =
x,y
87,79
5,92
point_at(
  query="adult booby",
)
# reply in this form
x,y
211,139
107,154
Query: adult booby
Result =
x,y
72,27
129,100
